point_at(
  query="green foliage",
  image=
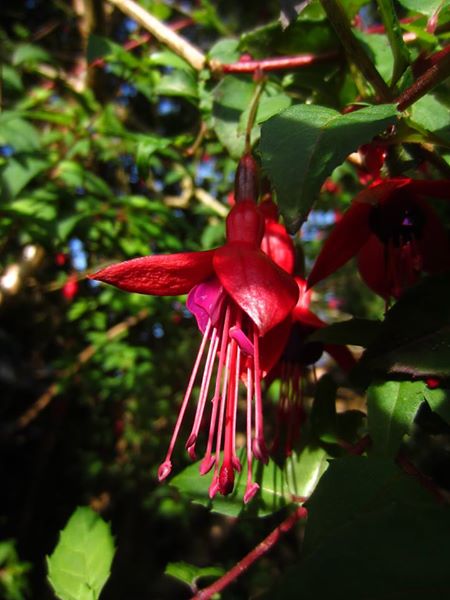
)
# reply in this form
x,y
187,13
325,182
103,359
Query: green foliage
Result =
x,y
190,574
80,564
364,514
392,407
13,572
302,145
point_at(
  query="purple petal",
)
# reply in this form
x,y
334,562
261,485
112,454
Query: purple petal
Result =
x,y
205,302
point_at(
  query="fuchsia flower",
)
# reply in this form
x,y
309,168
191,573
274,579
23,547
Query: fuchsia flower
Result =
x,y
395,234
298,357
239,296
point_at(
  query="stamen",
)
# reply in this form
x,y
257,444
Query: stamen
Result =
x,y
209,460
206,380
259,445
252,487
242,340
166,466
226,474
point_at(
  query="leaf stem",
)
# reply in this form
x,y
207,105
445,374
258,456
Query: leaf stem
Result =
x,y
261,549
353,49
254,103
394,33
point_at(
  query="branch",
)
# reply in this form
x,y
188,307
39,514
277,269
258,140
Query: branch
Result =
x,y
353,48
272,64
163,33
435,74
253,555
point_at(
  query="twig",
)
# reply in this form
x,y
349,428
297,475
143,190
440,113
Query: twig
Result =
x,y
254,103
165,34
83,357
354,50
205,198
261,549
277,63
410,469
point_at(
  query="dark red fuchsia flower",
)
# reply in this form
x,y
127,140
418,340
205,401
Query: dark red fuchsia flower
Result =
x,y
298,359
239,296
394,232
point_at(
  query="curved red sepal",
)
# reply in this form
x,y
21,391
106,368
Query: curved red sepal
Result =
x,y
271,345
344,241
159,275
435,188
263,290
278,245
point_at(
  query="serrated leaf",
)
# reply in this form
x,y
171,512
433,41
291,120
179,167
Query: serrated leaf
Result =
x,y
301,146
80,564
273,495
356,332
191,574
415,336
391,409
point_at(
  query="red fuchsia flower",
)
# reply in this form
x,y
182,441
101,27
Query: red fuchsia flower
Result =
x,y
395,234
238,296
296,362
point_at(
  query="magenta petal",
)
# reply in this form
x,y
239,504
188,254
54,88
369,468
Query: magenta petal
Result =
x,y
205,301
344,241
263,290
159,275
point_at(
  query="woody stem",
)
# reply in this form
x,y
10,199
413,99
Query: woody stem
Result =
x,y
253,555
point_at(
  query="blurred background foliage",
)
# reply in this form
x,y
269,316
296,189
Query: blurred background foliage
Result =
x,y
113,147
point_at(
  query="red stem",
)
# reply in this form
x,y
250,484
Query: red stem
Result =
x,y
254,555
410,469
438,71
277,63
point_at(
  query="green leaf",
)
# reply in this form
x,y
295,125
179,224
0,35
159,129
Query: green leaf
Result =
x,y
301,146
396,553
232,97
145,151
18,133
414,338
304,470
177,83
394,33
439,401
80,564
30,54
191,574
323,412
272,496
356,332
225,50
392,407
354,486
166,58
433,116
18,172
425,8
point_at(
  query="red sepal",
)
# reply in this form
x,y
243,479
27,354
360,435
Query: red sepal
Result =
x,y
344,241
277,244
271,346
263,290
159,275
372,266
